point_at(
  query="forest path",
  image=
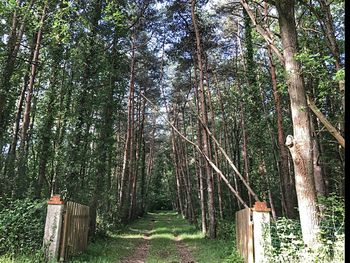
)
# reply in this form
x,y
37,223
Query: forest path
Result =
x,y
161,242
162,237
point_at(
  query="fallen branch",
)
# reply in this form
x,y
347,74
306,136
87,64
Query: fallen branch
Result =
x,y
332,130
250,190
202,153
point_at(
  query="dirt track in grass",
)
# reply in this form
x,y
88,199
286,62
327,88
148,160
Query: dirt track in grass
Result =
x,y
161,242
162,237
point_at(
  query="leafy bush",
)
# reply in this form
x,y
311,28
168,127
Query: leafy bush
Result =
x,y
332,234
234,258
286,240
226,229
22,225
287,243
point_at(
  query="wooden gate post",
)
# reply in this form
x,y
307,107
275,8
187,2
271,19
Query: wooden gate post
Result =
x,y
262,233
53,227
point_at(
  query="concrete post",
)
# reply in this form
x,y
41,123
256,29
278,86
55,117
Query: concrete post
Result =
x,y
262,233
53,227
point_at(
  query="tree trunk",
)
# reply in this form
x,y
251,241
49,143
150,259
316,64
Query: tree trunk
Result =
x,y
288,187
13,45
26,117
214,148
187,177
128,151
177,178
318,170
300,145
149,164
205,139
200,159
21,174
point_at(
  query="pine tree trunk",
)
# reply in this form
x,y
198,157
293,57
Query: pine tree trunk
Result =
x,y
128,150
21,174
204,117
214,147
201,180
13,45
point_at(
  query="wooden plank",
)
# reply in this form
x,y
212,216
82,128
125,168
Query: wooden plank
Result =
x,y
76,227
244,235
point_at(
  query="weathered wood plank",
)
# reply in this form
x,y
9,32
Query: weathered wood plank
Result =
x,y
75,230
244,235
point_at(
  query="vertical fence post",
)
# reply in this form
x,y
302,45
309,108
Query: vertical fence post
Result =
x,y
53,226
262,233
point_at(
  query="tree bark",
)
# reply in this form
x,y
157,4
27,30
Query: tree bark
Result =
x,y
214,148
128,150
288,187
318,169
205,140
13,45
300,145
200,169
26,117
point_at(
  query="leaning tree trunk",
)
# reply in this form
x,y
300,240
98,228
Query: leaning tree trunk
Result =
x,y
300,145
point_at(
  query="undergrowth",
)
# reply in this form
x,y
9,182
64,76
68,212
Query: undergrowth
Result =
x,y
22,225
287,243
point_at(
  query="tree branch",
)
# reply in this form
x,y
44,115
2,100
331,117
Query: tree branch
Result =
x,y
332,130
224,178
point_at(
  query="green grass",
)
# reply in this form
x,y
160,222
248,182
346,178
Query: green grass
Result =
x,y
163,227
117,245
163,247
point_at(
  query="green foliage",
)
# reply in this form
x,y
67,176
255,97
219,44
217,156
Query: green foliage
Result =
x,y
286,240
332,225
287,244
36,256
234,257
22,225
339,75
315,68
226,229
159,193
60,25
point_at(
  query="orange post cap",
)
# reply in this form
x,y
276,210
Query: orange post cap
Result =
x,y
55,200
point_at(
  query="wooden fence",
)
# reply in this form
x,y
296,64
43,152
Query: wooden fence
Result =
x,y
244,235
253,233
75,229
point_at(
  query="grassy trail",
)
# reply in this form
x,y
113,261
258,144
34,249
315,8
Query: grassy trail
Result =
x,y
159,237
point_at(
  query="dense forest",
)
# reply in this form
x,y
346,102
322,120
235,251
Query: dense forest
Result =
x,y
203,107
